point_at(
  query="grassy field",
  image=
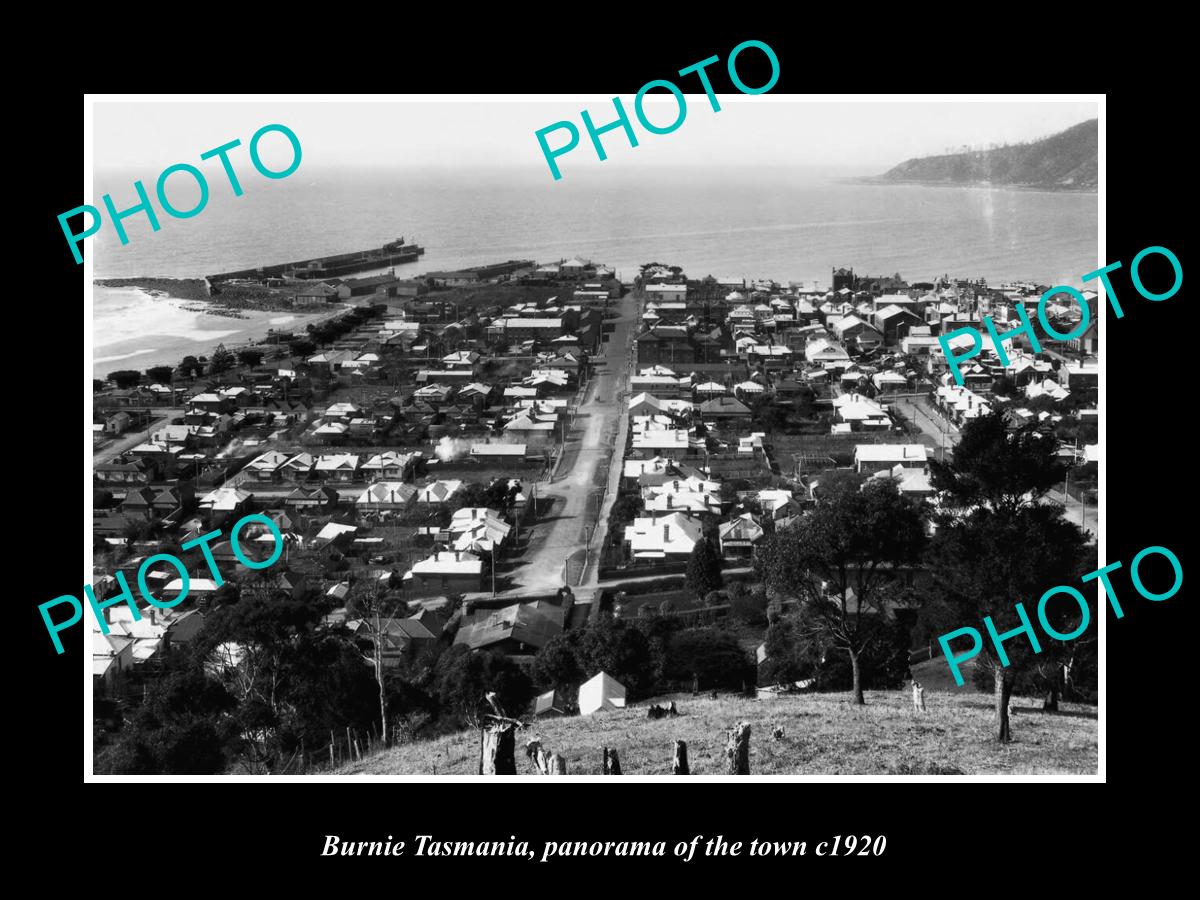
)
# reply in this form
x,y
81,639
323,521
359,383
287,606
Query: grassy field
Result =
x,y
823,734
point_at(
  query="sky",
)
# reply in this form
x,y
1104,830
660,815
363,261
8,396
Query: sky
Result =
x,y
759,131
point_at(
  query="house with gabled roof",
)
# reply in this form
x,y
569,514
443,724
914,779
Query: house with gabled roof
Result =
x,y
724,408
461,358
911,482
435,393
669,538
266,467
438,493
315,294
402,639
872,458
519,628
226,502
338,467
739,536
112,654
478,529
131,471
298,468
170,497
860,412
139,502
389,465
889,382
311,498
826,352
446,571
338,534
387,495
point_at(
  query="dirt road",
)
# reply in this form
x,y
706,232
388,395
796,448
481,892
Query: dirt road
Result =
x,y
582,487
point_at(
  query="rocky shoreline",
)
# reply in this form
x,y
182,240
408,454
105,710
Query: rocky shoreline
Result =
x,y
1050,188
228,302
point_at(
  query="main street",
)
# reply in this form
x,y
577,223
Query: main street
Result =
x,y
559,546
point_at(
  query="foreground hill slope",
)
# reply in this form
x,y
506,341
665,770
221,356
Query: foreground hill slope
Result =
x,y
1063,161
823,734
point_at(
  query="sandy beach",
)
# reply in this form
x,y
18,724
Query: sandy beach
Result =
x,y
132,329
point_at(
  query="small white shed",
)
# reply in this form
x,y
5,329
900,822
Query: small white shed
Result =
x,y
601,692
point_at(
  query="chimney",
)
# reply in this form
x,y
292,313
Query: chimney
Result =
x,y
666,533
457,556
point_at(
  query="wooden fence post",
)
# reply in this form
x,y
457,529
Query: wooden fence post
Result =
x,y
497,756
612,765
680,763
737,750
558,764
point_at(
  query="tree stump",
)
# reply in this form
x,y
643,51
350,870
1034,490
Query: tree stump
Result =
x,y
1003,705
1050,703
655,711
498,750
612,765
679,765
558,764
777,732
539,757
737,750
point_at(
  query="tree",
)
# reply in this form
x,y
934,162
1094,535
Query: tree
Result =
x,y
993,466
557,664
97,385
618,648
160,374
703,569
250,356
370,603
465,677
182,727
747,607
125,378
789,656
998,544
190,367
658,629
1004,387
805,402
985,563
302,347
842,560
709,654
134,531
222,361
273,636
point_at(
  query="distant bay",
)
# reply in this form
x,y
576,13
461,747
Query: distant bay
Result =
x,y
794,224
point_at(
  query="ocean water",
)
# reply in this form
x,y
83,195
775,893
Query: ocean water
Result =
x,y
794,224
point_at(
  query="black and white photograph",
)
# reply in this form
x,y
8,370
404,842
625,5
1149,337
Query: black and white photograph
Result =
x,y
420,448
